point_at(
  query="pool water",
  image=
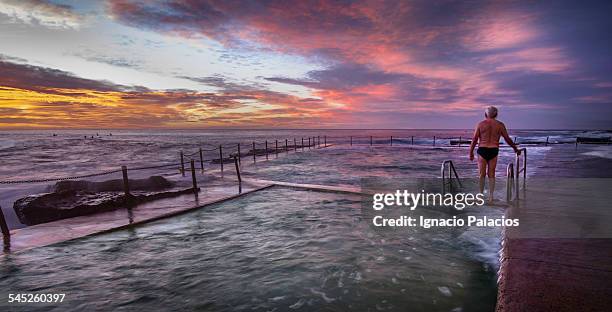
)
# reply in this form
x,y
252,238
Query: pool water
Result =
x,y
278,249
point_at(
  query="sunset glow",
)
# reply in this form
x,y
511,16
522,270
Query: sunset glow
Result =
x,y
306,64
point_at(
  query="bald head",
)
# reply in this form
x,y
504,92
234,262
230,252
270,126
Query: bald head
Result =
x,y
491,112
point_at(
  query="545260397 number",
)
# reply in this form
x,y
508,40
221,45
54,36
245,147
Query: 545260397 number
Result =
x,y
35,298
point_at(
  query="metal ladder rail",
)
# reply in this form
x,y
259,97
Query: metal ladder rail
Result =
x,y
519,170
451,171
509,181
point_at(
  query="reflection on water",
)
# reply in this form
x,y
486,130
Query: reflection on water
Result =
x,y
275,250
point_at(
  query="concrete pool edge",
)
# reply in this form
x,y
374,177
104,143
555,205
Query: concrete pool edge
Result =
x,y
176,213
111,227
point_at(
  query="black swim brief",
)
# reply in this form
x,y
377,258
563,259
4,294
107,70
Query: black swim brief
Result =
x,y
488,153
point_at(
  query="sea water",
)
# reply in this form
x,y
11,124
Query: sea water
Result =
x,y
278,249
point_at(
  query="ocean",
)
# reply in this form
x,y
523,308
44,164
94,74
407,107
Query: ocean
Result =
x,y
292,249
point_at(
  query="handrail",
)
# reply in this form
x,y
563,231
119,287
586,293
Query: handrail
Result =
x,y
519,170
509,181
451,171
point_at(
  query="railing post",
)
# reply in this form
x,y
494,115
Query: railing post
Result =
x,y
238,175
221,157
459,141
509,181
318,141
239,158
286,147
434,141
193,177
266,149
182,164
302,144
201,161
525,171
351,140
294,145
517,174
308,142
276,148
370,140
324,141
254,153
412,140
6,233
442,169
126,183
391,140
546,141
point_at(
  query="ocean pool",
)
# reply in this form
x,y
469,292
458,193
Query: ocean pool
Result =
x,y
278,249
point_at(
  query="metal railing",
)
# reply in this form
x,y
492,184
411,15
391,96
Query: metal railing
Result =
x,y
519,170
509,181
513,176
451,170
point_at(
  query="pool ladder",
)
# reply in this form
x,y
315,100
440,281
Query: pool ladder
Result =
x,y
451,171
513,174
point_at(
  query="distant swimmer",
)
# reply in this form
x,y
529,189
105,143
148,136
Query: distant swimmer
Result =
x,y
487,135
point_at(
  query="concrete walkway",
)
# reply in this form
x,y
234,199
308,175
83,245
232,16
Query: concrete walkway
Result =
x,y
211,191
560,257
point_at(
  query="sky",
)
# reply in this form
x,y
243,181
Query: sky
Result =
x,y
304,64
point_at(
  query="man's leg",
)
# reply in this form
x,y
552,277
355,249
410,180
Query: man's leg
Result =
x,y
482,172
492,164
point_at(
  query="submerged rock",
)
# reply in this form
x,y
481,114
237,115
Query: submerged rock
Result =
x,y
41,208
153,183
78,198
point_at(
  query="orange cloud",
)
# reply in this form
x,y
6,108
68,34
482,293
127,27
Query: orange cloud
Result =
x,y
32,96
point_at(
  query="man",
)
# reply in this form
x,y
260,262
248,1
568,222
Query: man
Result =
x,y
487,136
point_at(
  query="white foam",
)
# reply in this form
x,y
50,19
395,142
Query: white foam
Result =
x,y
298,304
445,291
601,151
323,295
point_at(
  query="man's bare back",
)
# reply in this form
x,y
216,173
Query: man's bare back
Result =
x,y
489,131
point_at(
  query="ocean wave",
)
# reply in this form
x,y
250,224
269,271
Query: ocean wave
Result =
x,y
6,144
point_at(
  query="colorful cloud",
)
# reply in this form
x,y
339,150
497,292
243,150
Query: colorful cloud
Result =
x,y
368,59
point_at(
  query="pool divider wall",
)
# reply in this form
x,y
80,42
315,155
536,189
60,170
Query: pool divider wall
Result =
x,y
266,185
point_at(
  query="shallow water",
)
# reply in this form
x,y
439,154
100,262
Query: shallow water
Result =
x,y
278,249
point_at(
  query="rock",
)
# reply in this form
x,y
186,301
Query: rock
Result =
x,y
79,198
41,208
153,183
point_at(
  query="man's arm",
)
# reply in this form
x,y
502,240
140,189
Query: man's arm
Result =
x,y
474,141
508,140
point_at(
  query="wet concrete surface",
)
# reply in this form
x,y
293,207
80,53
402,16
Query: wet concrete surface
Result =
x,y
560,257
